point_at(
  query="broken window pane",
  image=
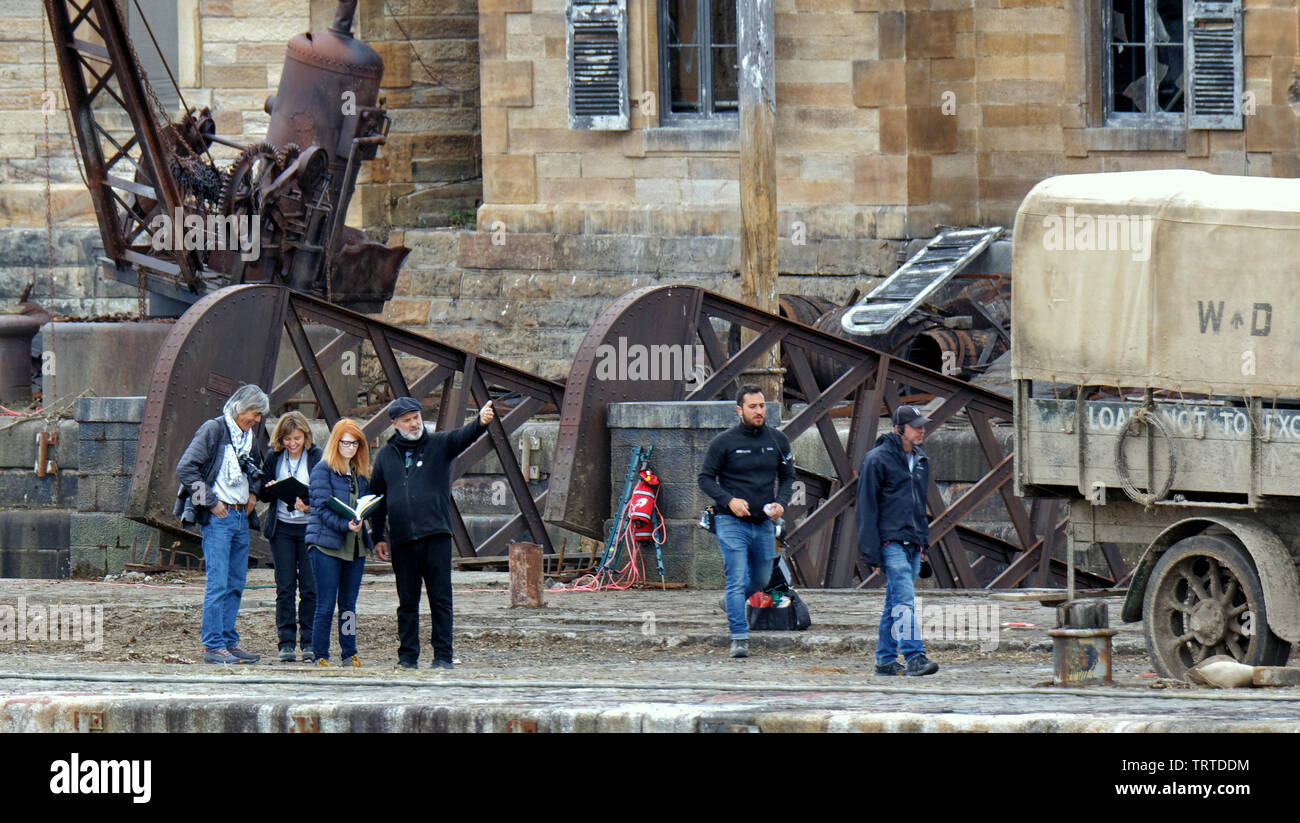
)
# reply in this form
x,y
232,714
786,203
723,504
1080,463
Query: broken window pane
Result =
x,y
684,55
1128,25
1128,70
1147,71
1169,14
725,92
683,23
1169,92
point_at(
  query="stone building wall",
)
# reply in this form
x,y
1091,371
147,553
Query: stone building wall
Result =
x,y
430,172
676,181
892,116
35,511
530,300
100,538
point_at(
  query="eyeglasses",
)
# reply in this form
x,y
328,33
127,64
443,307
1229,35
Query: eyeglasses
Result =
x,y
348,444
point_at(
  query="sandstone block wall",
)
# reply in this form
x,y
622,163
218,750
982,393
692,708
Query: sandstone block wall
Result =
x,y
892,116
529,299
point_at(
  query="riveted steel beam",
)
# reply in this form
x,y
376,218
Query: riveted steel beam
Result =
x,y
822,546
232,336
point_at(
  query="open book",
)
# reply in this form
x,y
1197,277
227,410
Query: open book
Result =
x,y
364,506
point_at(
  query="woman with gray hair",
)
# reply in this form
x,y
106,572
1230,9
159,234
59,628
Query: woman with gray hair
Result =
x,y
222,471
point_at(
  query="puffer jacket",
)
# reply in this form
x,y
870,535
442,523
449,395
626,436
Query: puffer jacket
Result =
x,y
325,528
891,499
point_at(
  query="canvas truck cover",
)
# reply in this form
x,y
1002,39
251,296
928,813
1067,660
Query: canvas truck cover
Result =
x,y
1179,280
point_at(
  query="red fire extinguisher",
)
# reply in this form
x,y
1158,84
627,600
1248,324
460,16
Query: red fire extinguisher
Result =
x,y
642,505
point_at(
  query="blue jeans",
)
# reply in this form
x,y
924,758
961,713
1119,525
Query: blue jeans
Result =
x,y
336,580
225,559
748,550
899,629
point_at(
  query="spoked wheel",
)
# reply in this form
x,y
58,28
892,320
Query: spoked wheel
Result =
x,y
1204,598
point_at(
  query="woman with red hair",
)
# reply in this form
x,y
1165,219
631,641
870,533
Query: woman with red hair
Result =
x,y
337,546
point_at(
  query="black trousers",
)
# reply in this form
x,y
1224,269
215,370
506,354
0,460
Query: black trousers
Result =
x,y
427,561
292,571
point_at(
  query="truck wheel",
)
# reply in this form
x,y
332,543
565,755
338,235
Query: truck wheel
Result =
x,y
1204,598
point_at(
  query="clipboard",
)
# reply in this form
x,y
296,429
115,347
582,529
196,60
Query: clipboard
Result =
x,y
287,489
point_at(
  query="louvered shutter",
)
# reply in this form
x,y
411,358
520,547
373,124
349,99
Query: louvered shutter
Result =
x,y
597,43
1215,75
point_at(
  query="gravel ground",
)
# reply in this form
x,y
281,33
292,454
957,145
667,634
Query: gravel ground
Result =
x,y
651,633
611,652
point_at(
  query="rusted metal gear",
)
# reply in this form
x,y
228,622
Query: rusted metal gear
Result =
x,y
285,155
238,195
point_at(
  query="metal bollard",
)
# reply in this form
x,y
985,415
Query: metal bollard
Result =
x,y
1081,643
526,575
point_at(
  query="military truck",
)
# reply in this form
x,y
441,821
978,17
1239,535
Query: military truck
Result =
x,y
1155,333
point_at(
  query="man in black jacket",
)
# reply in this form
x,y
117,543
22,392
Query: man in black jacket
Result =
x,y
413,472
894,534
741,468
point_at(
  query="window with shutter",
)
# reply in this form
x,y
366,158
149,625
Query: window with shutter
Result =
x,y
597,45
1214,59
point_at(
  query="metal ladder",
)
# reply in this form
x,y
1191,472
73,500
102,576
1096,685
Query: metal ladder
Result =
x,y
906,289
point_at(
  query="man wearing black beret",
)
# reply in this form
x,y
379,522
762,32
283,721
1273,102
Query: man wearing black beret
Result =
x,y
413,472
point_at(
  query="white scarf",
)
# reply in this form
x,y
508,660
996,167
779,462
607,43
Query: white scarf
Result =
x,y
241,442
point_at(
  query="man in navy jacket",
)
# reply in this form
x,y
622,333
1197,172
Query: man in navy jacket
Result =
x,y
413,472
894,534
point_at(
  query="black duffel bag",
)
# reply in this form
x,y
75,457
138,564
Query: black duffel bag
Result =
x,y
792,618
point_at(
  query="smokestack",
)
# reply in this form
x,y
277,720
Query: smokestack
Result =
x,y
343,15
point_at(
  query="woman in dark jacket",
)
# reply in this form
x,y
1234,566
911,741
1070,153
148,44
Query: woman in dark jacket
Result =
x,y
292,455
336,545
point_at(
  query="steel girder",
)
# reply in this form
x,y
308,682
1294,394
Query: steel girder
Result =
x,y
822,547
232,336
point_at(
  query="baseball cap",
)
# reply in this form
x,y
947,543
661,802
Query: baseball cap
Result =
x,y
911,416
401,406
